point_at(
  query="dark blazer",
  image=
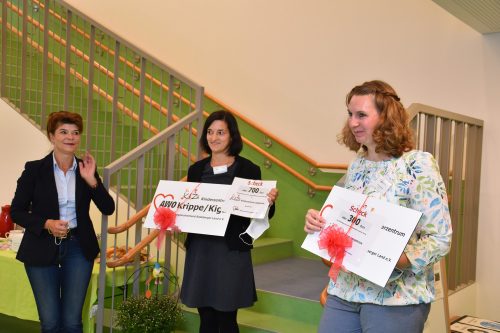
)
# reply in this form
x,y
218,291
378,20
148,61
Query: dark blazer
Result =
x,y
237,224
36,200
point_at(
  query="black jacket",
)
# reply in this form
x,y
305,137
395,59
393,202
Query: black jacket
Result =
x,y
237,224
36,200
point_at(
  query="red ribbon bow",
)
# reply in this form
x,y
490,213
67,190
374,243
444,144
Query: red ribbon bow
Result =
x,y
336,241
164,218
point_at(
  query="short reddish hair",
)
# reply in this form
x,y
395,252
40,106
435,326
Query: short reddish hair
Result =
x,y
393,135
58,118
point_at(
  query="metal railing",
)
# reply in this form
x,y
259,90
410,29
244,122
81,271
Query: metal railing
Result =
x,y
139,159
456,143
109,95
47,65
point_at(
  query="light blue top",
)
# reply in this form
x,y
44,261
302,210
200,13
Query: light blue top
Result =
x,y
412,180
65,184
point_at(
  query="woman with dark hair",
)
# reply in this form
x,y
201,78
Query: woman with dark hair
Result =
x,y
218,274
59,246
387,167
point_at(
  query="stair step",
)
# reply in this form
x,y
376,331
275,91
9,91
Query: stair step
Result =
x,y
264,322
191,324
251,321
299,277
285,306
269,249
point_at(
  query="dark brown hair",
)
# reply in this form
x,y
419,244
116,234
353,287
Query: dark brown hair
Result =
x,y
393,135
236,144
58,118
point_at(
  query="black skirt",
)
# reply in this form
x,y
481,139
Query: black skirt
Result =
x,y
217,277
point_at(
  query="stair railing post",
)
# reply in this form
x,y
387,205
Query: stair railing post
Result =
x,y
67,74
3,79
45,63
114,116
24,52
90,91
102,264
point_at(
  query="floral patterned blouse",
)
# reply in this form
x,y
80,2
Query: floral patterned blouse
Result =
x,y
412,180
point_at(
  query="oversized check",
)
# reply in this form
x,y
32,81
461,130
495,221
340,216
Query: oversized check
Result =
x,y
379,230
199,206
248,197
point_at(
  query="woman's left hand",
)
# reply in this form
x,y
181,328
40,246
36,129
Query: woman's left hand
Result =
x,y
403,262
272,196
87,169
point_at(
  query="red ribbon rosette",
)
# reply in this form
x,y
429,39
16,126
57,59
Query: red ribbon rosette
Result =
x,y
164,218
336,241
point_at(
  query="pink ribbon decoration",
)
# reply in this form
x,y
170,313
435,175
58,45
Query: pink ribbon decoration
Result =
x,y
164,218
336,241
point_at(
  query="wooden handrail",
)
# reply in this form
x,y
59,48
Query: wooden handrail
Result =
x,y
129,256
125,226
131,222
281,142
134,219
415,108
287,168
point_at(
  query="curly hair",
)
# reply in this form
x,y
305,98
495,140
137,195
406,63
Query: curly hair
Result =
x,y
393,135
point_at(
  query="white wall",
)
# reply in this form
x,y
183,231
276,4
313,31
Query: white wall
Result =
x,y
488,264
20,141
288,65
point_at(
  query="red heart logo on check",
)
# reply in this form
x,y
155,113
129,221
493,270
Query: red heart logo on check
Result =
x,y
327,206
162,198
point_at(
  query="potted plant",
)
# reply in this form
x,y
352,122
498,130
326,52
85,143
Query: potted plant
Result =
x,y
149,313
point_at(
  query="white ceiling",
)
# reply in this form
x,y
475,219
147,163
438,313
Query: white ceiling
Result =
x,y
481,15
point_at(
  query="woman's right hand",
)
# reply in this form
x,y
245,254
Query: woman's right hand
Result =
x,y
87,169
58,228
314,221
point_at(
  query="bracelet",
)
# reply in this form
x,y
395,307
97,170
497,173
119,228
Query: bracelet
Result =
x,y
94,186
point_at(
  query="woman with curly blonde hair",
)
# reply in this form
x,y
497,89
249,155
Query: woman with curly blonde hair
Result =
x,y
392,136
387,167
